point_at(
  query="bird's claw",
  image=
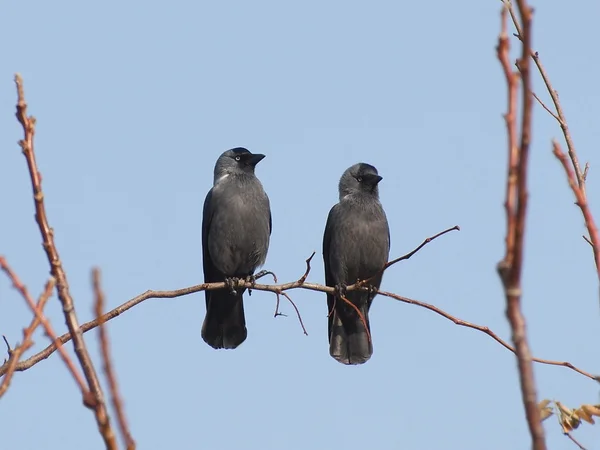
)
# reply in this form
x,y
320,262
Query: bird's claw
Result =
x,y
252,280
231,283
372,290
340,290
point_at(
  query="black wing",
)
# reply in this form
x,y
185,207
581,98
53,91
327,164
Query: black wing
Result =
x,y
329,280
211,274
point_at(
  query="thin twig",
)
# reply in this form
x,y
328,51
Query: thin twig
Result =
x,y
45,323
546,108
585,171
510,268
285,294
115,396
581,447
305,276
483,329
95,400
581,202
361,316
8,349
277,302
409,254
15,354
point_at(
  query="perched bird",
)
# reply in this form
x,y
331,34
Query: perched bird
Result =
x,y
356,246
236,228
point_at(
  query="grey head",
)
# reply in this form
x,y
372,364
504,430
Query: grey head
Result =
x,y
237,161
361,178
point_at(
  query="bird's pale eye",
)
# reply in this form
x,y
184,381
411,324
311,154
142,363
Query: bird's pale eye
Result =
x,y
359,179
238,158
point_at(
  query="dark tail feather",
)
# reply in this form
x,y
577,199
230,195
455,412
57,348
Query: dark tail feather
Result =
x,y
225,324
349,342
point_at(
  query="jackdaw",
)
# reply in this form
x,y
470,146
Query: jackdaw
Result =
x,y
356,246
236,228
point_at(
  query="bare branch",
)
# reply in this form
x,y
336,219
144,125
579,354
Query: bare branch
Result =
x,y
483,329
45,323
408,255
24,365
116,400
95,400
546,107
512,80
289,299
15,354
361,316
581,202
560,115
305,276
581,447
510,268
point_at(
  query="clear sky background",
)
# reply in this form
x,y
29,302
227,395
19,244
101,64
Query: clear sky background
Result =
x,y
136,100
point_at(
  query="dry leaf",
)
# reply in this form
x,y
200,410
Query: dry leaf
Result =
x,y
592,410
569,419
545,410
563,409
584,415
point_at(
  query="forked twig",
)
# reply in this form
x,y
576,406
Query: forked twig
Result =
x,y
15,355
19,286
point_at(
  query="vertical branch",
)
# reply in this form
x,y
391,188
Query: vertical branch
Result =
x,y
512,80
510,268
108,369
95,400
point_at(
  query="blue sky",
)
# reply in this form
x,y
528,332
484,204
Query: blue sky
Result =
x,y
136,100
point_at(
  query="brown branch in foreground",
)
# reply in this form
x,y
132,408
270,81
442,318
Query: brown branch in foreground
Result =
x,y
581,202
108,369
18,285
15,355
94,397
510,268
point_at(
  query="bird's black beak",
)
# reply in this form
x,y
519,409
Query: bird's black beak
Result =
x,y
254,159
371,179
